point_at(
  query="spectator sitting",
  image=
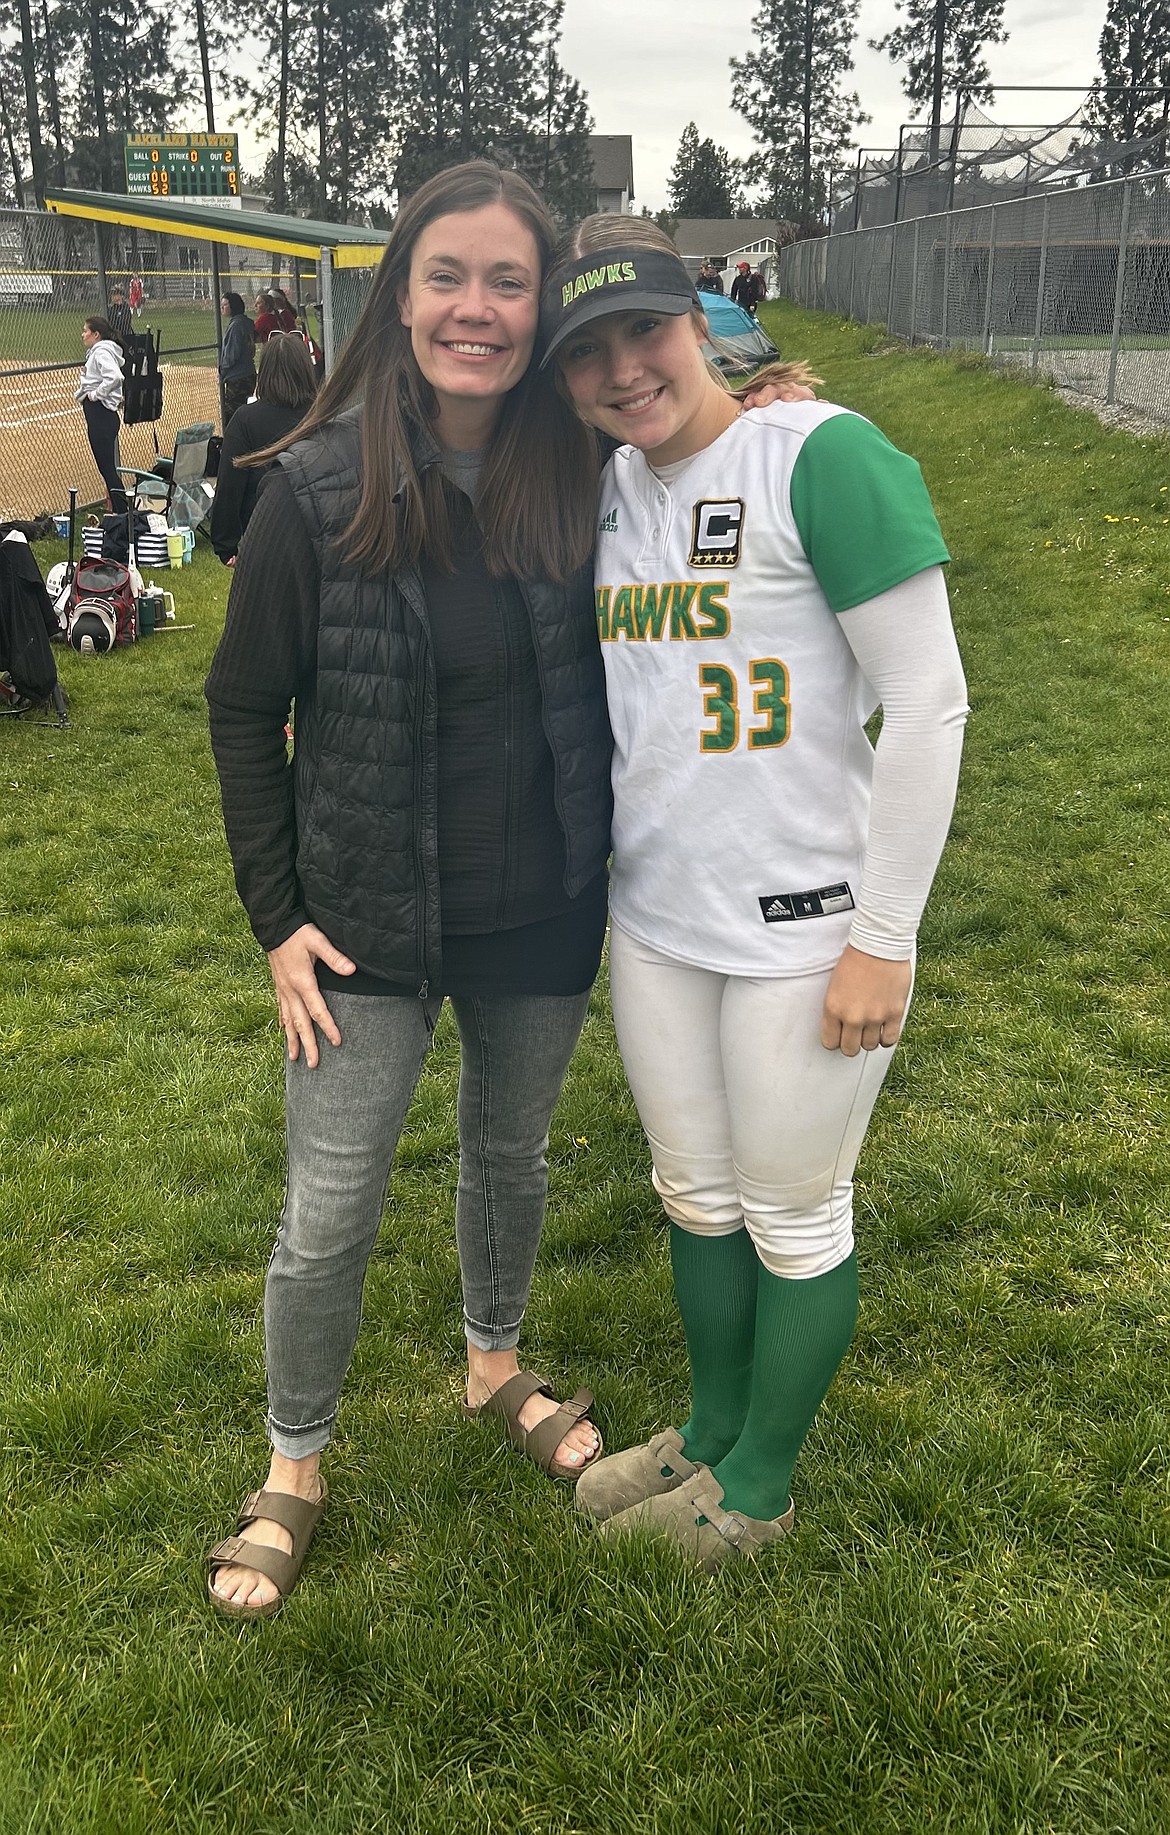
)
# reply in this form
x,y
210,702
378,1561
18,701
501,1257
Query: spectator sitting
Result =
x,y
264,317
285,386
282,306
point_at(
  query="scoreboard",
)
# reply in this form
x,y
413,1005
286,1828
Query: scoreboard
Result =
x,y
205,167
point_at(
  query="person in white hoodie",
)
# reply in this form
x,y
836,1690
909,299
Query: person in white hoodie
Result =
x,y
100,395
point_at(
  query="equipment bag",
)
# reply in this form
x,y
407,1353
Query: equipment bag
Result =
x,y
142,383
102,608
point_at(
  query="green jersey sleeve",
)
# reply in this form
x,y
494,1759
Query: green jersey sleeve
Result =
x,y
862,512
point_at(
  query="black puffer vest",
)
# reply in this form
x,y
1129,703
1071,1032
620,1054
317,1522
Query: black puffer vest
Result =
x,y
365,757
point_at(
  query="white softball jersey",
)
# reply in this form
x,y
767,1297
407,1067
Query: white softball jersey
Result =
x,y
741,765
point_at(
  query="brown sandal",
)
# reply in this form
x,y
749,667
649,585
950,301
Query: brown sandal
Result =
x,y
298,1516
538,1443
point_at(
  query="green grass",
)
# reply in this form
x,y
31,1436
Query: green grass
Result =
x,y
32,334
967,1635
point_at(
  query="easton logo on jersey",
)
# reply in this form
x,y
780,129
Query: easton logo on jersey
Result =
x,y
716,532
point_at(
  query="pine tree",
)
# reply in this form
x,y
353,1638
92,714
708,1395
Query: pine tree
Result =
x,y
50,56
323,85
115,75
213,43
941,44
12,191
1134,52
476,84
705,179
557,158
791,92
679,183
28,67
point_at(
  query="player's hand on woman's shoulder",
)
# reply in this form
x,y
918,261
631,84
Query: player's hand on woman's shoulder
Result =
x,y
778,382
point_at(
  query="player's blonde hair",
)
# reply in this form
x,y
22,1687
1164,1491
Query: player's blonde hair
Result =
x,y
606,230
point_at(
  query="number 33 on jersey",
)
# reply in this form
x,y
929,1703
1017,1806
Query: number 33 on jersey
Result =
x,y
731,684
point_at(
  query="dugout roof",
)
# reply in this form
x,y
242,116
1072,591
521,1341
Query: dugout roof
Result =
x,y
297,236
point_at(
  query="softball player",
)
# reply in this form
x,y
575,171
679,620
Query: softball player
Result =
x,y
764,580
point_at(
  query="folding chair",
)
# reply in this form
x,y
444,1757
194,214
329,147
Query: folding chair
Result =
x,y
179,486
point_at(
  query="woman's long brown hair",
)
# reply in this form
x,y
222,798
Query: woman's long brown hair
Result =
x,y
537,499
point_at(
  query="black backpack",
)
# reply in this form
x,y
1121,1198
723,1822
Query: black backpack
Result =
x,y
142,383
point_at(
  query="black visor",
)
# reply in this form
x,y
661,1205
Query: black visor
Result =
x,y
621,280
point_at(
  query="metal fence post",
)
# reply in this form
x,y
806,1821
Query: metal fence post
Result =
x,y
987,297
893,266
327,338
852,268
948,257
914,282
1040,283
99,262
1119,289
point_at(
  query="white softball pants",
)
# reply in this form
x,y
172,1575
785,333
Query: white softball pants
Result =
x,y
751,1122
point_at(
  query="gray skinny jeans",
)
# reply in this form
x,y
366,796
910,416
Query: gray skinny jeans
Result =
x,y
343,1121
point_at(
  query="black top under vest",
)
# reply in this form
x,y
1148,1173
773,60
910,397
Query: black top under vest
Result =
x,y
508,925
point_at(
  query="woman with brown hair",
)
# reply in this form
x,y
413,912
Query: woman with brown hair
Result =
x,y
286,387
417,578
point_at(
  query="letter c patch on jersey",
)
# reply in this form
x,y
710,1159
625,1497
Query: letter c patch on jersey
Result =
x,y
716,532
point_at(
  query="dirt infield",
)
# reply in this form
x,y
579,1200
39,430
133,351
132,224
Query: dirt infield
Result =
x,y
43,448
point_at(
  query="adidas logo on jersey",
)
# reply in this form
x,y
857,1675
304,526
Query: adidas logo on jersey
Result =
x,y
608,523
789,907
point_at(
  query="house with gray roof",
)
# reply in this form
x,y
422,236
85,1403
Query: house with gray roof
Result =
x,y
728,240
613,171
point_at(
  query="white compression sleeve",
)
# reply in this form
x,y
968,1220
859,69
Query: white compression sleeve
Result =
x,y
905,643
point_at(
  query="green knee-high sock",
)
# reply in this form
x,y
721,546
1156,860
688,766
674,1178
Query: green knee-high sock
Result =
x,y
803,1329
715,1285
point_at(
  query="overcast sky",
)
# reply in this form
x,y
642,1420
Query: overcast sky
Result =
x,y
650,66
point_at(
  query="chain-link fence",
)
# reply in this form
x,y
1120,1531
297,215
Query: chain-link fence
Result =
x,y
55,271
974,160
1074,285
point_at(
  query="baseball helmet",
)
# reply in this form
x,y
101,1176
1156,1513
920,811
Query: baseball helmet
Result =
x,y
93,627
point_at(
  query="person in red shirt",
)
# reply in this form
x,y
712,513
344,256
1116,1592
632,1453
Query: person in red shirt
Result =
x,y
282,306
264,317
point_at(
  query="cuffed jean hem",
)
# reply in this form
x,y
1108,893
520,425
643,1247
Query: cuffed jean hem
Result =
x,y
300,1442
484,1338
